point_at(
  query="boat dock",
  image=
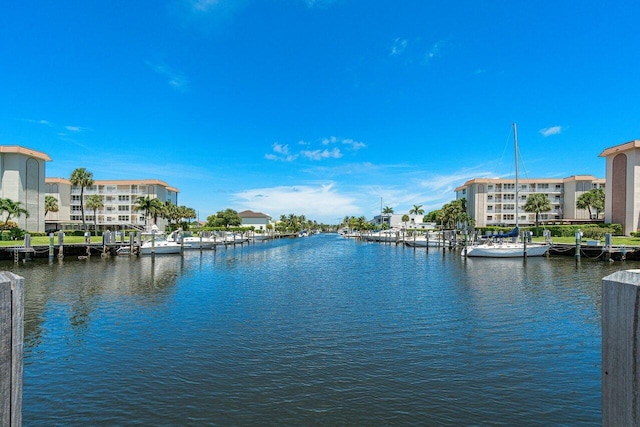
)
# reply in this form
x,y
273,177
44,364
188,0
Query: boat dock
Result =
x,y
598,252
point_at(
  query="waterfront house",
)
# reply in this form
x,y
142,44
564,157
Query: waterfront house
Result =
x,y
257,220
395,221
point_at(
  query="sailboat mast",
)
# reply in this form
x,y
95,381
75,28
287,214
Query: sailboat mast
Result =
x,y
515,145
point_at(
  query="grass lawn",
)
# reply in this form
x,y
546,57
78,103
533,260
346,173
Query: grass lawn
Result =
x,y
616,240
44,241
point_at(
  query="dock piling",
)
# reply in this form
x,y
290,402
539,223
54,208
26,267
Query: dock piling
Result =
x,y
11,348
621,348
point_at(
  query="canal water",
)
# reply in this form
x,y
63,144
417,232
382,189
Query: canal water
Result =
x,y
319,330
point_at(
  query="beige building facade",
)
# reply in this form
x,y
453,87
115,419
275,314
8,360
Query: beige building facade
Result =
x,y
22,179
492,201
622,197
119,198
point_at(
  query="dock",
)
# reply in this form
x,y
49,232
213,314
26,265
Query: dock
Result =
x,y
599,252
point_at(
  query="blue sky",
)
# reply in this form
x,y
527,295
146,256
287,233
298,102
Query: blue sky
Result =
x,y
322,108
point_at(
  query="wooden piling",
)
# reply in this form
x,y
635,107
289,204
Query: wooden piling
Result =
x,y
11,348
621,349
60,245
578,243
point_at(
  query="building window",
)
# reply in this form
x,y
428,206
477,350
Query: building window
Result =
x,y
509,186
123,198
508,217
75,198
123,208
123,217
543,186
490,197
489,208
489,218
509,196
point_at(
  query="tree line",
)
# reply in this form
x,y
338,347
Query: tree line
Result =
x,y
454,214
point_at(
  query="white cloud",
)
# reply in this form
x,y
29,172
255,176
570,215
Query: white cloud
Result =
x,y
175,80
434,51
74,128
399,46
322,202
355,145
41,122
322,154
554,130
330,140
281,153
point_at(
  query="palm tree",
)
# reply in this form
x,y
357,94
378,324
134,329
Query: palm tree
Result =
x,y
95,202
593,198
416,210
171,213
10,207
537,203
386,214
454,213
405,219
50,204
82,178
151,207
188,213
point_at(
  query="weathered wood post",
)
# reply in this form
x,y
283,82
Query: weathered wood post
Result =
x,y
60,244
11,348
51,250
132,238
621,349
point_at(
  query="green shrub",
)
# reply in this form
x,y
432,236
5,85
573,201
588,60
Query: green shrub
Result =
x,y
16,233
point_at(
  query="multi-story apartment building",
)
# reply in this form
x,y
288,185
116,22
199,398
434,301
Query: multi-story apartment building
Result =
x,y
22,179
622,201
492,201
118,196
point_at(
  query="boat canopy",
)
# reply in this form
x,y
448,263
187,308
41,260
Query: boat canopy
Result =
x,y
512,233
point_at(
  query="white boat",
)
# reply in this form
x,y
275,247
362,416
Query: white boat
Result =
x,y
432,240
194,242
158,243
231,238
507,250
514,249
161,246
381,236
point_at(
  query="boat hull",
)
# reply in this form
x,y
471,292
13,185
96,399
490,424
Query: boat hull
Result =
x,y
506,250
161,248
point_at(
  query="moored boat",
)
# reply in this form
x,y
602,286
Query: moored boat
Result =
x,y
515,248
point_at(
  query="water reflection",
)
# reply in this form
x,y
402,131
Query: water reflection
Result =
x,y
319,330
80,285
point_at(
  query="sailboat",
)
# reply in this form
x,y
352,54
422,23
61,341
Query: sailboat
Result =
x,y
513,249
